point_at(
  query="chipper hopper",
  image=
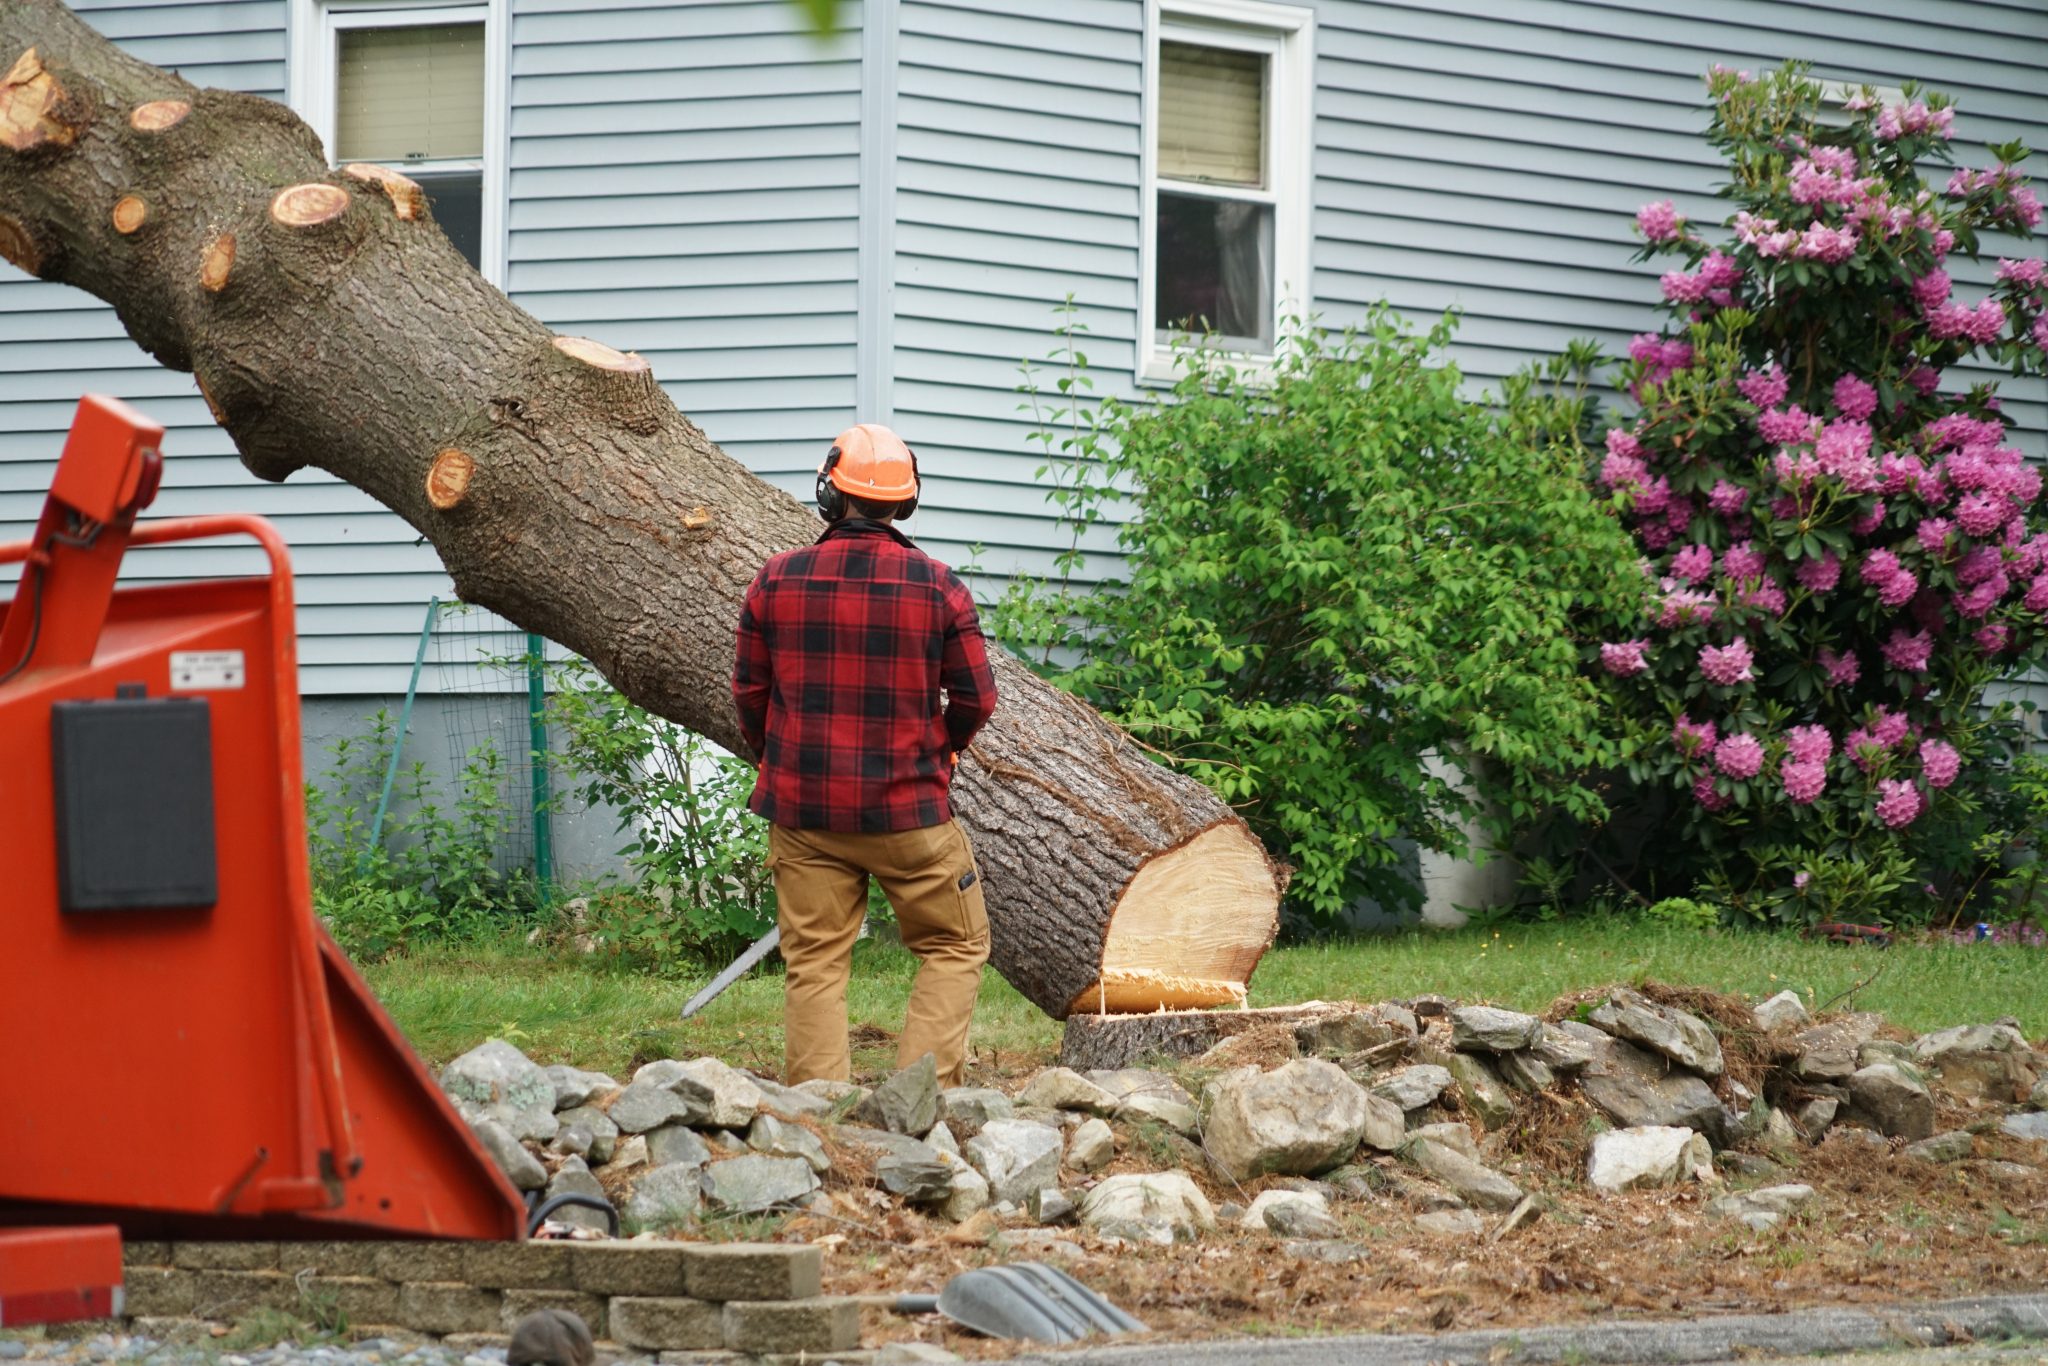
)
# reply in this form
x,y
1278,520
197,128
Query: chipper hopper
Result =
x,y
184,1053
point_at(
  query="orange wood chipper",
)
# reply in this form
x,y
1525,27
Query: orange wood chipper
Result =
x,y
184,1053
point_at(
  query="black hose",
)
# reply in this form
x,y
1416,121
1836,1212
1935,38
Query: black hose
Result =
x,y
555,1202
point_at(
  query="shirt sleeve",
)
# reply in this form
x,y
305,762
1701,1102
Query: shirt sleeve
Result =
x,y
970,683
753,676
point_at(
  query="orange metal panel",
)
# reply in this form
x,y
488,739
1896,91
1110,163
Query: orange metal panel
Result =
x,y
54,1275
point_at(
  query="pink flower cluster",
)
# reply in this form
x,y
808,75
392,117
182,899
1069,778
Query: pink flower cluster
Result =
x,y
1624,659
1727,665
1980,325
1895,584
1895,121
1659,222
1898,802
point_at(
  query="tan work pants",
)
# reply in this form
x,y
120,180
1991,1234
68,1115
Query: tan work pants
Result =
x,y
821,894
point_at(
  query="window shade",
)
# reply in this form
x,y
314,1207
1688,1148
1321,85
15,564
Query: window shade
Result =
x,y
410,94
1212,114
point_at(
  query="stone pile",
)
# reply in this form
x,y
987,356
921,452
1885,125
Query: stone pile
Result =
x,y
1410,1100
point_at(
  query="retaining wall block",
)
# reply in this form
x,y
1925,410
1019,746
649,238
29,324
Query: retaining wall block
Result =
x,y
647,1270
445,1307
589,1308
225,1256
666,1322
518,1266
814,1325
754,1271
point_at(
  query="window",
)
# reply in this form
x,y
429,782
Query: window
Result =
x,y
1226,188
412,87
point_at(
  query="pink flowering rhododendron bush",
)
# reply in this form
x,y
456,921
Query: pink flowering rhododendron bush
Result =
x,y
1844,539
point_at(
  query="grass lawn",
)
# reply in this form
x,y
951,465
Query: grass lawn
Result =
x,y
565,1009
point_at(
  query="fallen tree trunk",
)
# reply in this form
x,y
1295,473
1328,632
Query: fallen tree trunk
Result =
x,y
330,323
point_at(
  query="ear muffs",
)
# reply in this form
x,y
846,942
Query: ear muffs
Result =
x,y
831,499
909,505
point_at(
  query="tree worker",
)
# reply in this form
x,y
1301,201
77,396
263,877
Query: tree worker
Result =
x,y
844,646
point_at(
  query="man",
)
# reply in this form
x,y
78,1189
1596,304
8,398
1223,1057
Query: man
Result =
x,y
844,647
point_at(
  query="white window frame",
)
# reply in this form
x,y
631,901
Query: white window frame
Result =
x,y
316,29
1286,34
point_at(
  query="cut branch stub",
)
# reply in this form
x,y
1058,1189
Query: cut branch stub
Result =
x,y
129,214
18,246
29,97
158,115
448,479
309,205
217,263
621,382
598,354
408,201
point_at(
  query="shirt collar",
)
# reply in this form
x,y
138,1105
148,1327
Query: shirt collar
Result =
x,y
863,526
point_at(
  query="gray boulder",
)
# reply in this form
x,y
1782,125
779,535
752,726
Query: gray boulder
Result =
x,y
574,1178
942,1138
907,1103
1451,1134
1480,1089
1525,1071
1016,1156
1488,1029
1816,1115
1991,1062
757,1182
1149,1204
729,1096
521,1167
1653,1155
666,1196
966,1108
2038,1097
1783,1011
2031,1125
780,1138
1091,1147
1470,1180
970,1193
832,1092
1894,1099
1301,1118
1760,1209
1386,1127
921,1181
1942,1149
1414,1087
604,1135
647,1105
1638,1089
1062,1088
1451,1223
1303,1214
1143,1095
574,1087
1827,1052
786,1102
1562,1049
1675,1034
496,1081
676,1142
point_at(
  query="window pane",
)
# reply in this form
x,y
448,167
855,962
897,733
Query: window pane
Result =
x,y
1212,114
410,94
457,199
1216,269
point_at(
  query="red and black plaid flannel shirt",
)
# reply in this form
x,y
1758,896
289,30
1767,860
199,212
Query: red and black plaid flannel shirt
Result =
x,y
843,648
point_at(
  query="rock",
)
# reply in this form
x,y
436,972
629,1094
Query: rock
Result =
x,y
1647,1156
966,1108
1488,1029
1891,1096
726,1141
667,1195
1386,1127
1520,1217
1051,1205
1525,1071
2032,1125
1016,1156
918,1180
1301,1118
1182,1119
521,1167
1782,1011
645,1105
970,1192
1477,1184
2006,1172
757,1182
1953,1146
912,1354
1816,1115
1561,1049
1149,1204
604,1135
574,1087
1827,1052
732,1099
1760,1209
1780,1134
1637,1089
942,1138
1451,1134
1675,1034
907,1103
1866,1140
630,1153
1335,1251
780,1138
786,1102
574,1140
833,1093
1350,1032
1883,1050
1062,1088
1991,1062
1480,1089
1414,1087
903,1145
1293,1214
1143,1095
496,1081
2038,1097
1039,1114
677,1142
574,1178
1451,1223
1092,1147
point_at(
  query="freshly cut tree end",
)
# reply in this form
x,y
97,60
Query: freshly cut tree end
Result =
x,y
17,247
309,205
448,479
408,201
129,214
158,115
1112,1041
217,263
1189,928
29,100
596,353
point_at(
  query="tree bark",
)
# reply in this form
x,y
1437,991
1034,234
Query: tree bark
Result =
x,y
330,323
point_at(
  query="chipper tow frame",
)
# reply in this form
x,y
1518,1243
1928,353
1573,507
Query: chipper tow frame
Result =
x,y
184,1053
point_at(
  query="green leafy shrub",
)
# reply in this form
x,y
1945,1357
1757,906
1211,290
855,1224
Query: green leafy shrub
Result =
x,y
431,872
699,857
1348,600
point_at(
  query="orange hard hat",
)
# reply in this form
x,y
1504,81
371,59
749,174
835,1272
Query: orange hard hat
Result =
x,y
869,461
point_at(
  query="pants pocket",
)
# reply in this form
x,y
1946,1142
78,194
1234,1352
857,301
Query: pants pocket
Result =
x,y
967,889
